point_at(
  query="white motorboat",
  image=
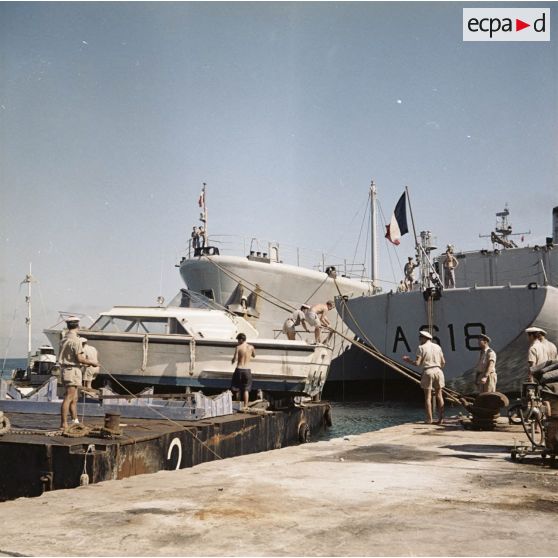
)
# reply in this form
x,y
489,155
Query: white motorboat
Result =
x,y
190,343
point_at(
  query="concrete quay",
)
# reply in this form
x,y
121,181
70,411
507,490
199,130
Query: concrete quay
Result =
x,y
408,490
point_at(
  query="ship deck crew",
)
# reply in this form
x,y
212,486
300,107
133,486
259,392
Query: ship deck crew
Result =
x,y
295,319
450,263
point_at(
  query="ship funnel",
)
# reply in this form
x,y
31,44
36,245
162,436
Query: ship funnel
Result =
x,y
555,225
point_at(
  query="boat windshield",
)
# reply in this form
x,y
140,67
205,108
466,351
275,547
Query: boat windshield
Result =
x,y
131,324
192,299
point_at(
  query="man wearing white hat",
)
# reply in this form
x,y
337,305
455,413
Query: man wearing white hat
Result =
x,y
295,319
431,358
536,355
551,352
71,357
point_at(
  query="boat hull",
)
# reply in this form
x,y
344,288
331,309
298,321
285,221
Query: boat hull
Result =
x,y
281,287
179,360
391,323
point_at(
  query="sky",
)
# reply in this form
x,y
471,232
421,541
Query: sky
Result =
x,y
112,115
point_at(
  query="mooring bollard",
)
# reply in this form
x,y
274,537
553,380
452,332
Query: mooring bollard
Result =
x,y
112,422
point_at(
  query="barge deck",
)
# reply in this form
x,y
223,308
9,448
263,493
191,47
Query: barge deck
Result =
x,y
35,458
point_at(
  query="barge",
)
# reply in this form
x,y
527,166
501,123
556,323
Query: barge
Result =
x,y
36,458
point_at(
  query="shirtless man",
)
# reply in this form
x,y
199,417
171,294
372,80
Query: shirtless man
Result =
x,y
409,271
316,317
450,263
242,376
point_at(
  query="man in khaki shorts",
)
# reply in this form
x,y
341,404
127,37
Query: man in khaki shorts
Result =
x,y
89,372
295,318
316,318
485,369
71,357
431,358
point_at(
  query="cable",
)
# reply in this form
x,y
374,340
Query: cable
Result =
x,y
156,411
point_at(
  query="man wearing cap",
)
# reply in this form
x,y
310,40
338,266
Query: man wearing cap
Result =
x,y
71,357
536,355
409,271
485,369
89,372
295,319
431,358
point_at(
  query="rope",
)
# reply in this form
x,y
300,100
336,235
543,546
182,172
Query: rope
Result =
x,y
31,432
394,365
157,412
238,278
145,347
5,425
77,430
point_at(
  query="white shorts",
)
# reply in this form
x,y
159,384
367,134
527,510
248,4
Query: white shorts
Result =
x,y
289,326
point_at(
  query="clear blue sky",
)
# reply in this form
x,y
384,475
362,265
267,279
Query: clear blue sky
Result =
x,y
112,114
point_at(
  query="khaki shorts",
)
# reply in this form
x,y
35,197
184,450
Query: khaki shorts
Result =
x,y
312,319
432,378
490,385
90,373
71,377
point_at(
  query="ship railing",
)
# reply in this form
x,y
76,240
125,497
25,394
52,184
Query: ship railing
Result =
x,y
271,251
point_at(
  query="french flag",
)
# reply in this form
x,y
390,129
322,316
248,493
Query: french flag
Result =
x,y
398,224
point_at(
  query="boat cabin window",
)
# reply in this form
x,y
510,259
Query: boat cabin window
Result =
x,y
116,324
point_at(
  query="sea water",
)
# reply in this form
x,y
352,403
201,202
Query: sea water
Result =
x,y
358,417
9,364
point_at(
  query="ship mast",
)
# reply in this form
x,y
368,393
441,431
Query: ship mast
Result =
x,y
203,214
373,238
28,320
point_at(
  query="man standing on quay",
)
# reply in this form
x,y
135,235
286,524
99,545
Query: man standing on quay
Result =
x,y
431,358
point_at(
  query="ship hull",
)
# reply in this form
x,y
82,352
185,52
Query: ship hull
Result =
x,y
280,287
391,323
